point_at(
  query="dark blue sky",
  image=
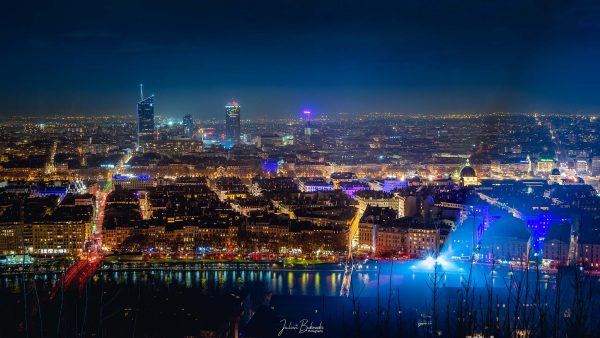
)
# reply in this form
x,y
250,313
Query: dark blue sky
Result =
x,y
276,57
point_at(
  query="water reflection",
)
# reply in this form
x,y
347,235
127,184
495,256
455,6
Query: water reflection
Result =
x,y
315,282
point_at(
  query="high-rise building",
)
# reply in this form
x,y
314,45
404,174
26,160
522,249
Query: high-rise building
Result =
x,y
232,122
596,165
581,166
188,125
145,108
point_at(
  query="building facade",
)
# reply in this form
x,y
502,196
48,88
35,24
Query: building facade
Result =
x,y
45,238
232,122
188,125
145,122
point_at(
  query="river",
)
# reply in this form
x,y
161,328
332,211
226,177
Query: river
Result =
x,y
125,302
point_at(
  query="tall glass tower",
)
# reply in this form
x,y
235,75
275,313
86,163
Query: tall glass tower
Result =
x,y
145,108
232,122
188,125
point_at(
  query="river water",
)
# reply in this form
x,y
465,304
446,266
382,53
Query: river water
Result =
x,y
163,302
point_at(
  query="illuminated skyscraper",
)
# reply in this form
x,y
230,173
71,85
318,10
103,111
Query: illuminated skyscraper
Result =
x,y
596,166
311,134
308,129
188,125
145,123
232,122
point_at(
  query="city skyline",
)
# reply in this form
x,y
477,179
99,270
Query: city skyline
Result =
x,y
279,59
297,211
300,169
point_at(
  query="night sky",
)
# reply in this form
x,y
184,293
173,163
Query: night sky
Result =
x,y
278,57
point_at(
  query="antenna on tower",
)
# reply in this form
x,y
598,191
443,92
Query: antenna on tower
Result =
x,y
141,91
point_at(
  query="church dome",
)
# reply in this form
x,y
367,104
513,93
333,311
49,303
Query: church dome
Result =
x,y
468,171
555,171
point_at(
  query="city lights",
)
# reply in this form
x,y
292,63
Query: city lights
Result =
x,y
307,169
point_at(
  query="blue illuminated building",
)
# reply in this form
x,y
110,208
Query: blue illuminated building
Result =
x,y
133,181
129,177
391,184
539,225
269,167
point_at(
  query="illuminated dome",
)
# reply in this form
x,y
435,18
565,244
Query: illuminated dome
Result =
x,y
468,175
232,103
555,171
468,171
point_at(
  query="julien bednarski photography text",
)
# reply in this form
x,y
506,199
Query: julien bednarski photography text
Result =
x,y
281,168
300,327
